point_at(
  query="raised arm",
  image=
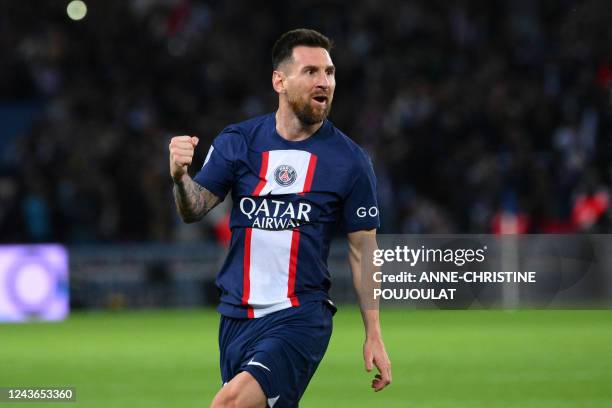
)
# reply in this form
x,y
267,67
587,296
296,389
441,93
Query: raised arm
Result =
x,y
374,353
192,200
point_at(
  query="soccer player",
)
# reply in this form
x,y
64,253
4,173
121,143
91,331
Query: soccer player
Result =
x,y
293,177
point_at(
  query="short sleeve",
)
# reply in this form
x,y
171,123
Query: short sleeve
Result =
x,y
217,173
360,210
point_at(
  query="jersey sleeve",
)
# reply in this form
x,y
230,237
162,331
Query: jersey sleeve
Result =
x,y
360,210
217,173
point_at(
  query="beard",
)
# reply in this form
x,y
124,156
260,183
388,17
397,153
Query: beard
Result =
x,y
306,113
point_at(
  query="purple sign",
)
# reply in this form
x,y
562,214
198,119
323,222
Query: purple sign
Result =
x,y
33,282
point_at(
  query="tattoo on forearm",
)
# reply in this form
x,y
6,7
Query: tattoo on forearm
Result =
x,y
193,201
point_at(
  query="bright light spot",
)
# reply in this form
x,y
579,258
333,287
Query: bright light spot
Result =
x,y
77,10
33,284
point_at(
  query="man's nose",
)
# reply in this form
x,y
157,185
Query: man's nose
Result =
x,y
323,81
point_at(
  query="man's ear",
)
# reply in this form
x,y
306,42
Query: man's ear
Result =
x,y
278,81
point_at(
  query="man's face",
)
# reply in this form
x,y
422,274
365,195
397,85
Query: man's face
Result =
x,y
309,83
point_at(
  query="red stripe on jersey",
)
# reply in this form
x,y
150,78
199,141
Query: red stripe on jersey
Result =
x,y
262,173
312,164
246,278
293,258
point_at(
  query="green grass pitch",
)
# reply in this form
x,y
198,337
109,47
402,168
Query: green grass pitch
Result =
x,y
548,358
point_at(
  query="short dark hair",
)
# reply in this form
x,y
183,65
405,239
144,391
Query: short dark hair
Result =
x,y
283,48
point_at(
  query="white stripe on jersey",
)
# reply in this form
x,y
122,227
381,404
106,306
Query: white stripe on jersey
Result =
x,y
208,155
270,264
269,270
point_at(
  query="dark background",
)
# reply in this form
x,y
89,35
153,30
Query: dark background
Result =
x,y
479,116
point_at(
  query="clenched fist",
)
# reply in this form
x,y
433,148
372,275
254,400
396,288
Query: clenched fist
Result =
x,y
181,155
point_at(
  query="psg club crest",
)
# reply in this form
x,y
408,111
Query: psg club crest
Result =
x,y
285,175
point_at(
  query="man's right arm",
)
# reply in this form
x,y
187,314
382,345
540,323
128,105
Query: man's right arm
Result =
x,y
192,200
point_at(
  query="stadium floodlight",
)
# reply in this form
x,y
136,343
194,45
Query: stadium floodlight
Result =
x,y
76,10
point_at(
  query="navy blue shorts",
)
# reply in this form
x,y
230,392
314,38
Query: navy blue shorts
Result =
x,y
281,350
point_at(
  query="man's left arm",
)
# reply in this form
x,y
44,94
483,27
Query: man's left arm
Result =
x,y
374,352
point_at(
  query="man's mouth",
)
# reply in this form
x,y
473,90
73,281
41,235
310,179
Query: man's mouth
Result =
x,y
321,99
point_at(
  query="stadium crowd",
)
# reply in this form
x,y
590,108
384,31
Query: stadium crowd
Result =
x,y
479,116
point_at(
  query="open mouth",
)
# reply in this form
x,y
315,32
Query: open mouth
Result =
x,y
320,99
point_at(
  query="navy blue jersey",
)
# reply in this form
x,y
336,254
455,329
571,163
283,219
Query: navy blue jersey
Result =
x,y
287,199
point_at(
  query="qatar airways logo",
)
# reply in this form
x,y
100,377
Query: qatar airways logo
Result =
x,y
275,214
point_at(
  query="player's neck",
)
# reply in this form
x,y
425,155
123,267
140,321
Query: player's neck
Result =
x,y
289,127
